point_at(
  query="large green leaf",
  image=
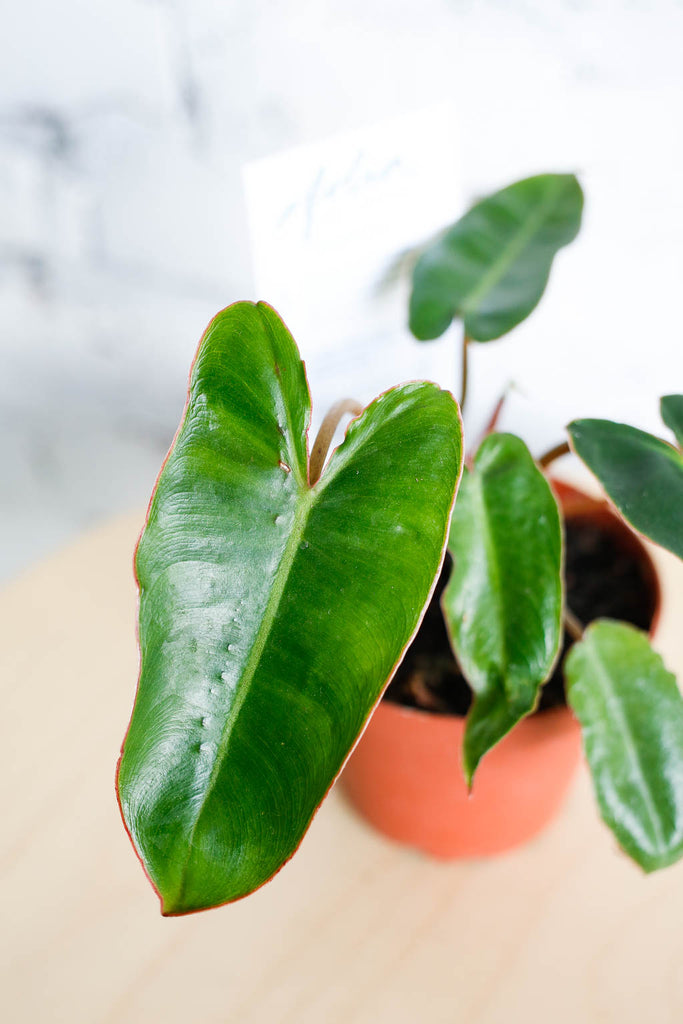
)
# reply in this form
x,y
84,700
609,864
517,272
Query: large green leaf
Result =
x,y
631,714
671,407
491,268
272,613
503,602
641,474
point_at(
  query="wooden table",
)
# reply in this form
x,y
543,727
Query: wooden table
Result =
x,y
354,930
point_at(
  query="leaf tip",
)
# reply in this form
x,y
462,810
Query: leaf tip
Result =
x,y
470,763
170,909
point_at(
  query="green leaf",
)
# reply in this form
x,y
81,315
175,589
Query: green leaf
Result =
x,y
491,268
641,474
631,715
671,407
272,613
503,602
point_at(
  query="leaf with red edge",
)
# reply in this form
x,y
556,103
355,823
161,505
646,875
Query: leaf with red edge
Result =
x,y
272,612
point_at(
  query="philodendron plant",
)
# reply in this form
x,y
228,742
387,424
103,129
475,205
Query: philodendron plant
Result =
x,y
279,593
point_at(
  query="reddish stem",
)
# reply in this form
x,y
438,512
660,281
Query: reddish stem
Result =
x,y
554,453
326,433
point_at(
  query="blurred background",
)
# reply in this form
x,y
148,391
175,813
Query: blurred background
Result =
x,y
125,130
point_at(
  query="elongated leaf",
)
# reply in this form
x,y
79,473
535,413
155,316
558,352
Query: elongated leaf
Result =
x,y
503,602
671,407
631,715
272,613
641,474
491,268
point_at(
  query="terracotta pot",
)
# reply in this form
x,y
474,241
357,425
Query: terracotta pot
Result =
x,y
405,776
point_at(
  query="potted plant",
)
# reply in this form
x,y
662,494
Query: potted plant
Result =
x,y
499,588
278,595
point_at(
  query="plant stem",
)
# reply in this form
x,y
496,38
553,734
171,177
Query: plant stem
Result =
x,y
326,433
572,624
463,379
554,453
495,415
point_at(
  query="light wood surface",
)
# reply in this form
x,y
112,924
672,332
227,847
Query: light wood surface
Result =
x,y
353,930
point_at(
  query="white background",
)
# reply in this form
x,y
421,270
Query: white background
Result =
x,y
124,129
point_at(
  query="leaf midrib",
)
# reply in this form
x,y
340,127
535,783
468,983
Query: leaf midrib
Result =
x,y
306,501
305,504
494,567
510,251
610,698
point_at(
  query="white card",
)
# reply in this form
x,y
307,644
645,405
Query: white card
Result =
x,y
328,224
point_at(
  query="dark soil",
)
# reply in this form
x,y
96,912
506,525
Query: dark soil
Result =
x,y
606,577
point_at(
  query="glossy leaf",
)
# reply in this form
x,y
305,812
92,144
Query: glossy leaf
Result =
x,y
491,268
503,602
272,613
641,474
631,715
671,407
